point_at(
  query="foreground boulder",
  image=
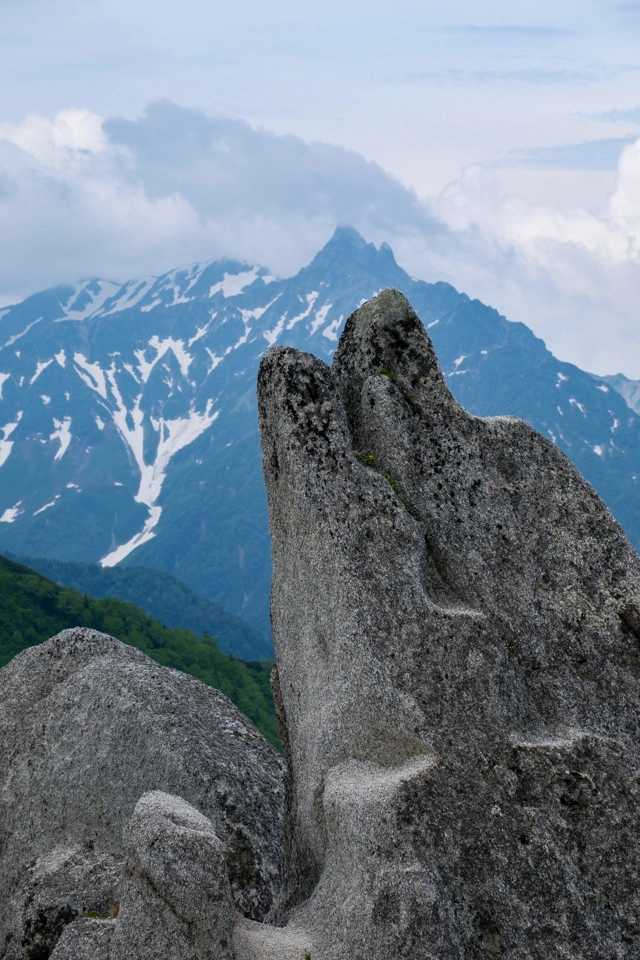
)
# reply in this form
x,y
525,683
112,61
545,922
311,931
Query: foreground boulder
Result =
x,y
456,620
87,726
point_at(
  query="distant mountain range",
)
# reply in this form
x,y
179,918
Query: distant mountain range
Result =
x,y
128,423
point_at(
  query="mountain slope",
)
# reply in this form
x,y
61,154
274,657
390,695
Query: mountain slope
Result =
x,y
130,424
32,609
162,597
628,389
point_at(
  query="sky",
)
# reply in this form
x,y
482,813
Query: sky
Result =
x,y
494,145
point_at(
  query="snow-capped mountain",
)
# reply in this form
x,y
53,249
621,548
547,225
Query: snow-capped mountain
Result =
x,y
128,427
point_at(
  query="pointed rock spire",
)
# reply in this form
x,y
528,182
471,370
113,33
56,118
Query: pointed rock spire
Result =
x,y
458,674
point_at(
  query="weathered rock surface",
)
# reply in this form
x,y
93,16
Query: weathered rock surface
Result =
x,y
88,725
85,940
176,899
455,614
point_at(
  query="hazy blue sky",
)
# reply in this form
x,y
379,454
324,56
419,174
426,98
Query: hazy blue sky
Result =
x,y
493,144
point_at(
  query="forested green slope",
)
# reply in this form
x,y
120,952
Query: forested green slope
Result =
x,y
32,609
163,597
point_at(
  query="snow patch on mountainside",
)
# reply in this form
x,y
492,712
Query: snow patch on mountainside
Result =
x,y
62,433
151,306
161,347
177,298
87,299
331,331
311,299
11,513
135,291
234,283
195,273
321,316
272,335
174,435
47,505
215,360
130,370
257,312
39,368
6,445
17,336
147,533
172,282
93,375
200,331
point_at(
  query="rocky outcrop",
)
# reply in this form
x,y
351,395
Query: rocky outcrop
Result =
x,y
455,614
87,726
175,899
457,623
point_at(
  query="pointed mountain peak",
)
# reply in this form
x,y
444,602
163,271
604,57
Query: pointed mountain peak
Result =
x,y
348,246
345,236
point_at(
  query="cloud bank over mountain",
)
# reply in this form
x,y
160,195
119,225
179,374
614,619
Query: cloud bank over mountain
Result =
x,y
83,196
121,197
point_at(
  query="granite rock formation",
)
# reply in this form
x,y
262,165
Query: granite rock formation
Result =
x,y
85,939
175,898
87,726
456,616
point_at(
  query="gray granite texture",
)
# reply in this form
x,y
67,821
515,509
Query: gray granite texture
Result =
x,y
456,619
85,939
175,900
175,897
88,725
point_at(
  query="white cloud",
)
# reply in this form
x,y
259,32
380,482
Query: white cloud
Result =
x,y
625,203
572,275
56,142
79,197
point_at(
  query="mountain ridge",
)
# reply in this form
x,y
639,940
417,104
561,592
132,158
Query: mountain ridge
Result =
x,y
130,422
